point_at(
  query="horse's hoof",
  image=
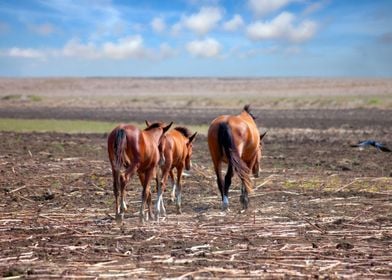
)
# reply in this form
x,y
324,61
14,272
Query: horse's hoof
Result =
x,y
225,207
225,203
119,218
244,206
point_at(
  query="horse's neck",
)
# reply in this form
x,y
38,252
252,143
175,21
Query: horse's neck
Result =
x,y
244,115
153,135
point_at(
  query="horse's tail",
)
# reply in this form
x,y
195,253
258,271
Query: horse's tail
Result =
x,y
119,149
225,139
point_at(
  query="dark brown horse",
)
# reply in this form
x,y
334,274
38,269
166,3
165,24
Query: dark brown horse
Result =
x,y
137,151
235,140
176,152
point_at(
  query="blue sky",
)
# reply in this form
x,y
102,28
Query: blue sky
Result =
x,y
266,38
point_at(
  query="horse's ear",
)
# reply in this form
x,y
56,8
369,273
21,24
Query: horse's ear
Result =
x,y
262,135
147,123
192,137
166,128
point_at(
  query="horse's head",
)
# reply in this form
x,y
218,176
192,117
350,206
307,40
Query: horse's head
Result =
x,y
189,147
261,140
247,110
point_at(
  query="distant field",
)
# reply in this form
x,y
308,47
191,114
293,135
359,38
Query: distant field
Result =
x,y
69,126
279,93
66,126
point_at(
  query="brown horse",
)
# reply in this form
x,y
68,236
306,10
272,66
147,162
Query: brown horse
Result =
x,y
235,140
176,152
137,151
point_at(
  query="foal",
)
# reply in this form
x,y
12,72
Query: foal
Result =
x,y
176,152
235,140
137,151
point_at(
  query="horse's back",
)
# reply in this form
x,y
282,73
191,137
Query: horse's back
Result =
x,y
175,146
149,151
243,130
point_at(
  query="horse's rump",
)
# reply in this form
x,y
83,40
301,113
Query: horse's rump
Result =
x,y
119,148
226,143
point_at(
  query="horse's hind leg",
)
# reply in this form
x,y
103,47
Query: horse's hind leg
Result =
x,y
146,195
219,181
244,199
179,189
159,206
116,187
124,179
149,203
173,183
149,176
228,177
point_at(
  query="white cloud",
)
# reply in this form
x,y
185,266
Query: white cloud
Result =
x,y
203,21
158,24
282,27
204,48
76,49
314,7
129,47
293,50
124,48
44,29
165,51
264,7
200,2
25,53
176,28
102,18
234,24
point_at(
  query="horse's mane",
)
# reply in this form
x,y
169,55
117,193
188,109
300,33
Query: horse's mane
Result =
x,y
154,125
247,109
184,131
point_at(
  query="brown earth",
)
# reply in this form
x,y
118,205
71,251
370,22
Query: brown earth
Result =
x,y
285,118
320,209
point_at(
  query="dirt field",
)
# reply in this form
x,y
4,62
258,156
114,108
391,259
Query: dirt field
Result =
x,y
320,208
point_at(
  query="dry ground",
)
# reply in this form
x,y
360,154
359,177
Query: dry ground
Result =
x,y
266,93
319,209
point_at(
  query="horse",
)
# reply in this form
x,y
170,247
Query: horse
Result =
x,y
235,140
137,151
176,152
256,166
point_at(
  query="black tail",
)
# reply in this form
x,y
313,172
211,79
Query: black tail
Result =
x,y
119,148
225,139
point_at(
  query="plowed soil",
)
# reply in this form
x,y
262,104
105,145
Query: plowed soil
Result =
x,y
320,209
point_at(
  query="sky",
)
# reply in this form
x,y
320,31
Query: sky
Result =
x,y
196,38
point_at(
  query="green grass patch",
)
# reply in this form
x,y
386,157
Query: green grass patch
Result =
x,y
18,97
72,126
34,98
374,102
11,97
45,125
